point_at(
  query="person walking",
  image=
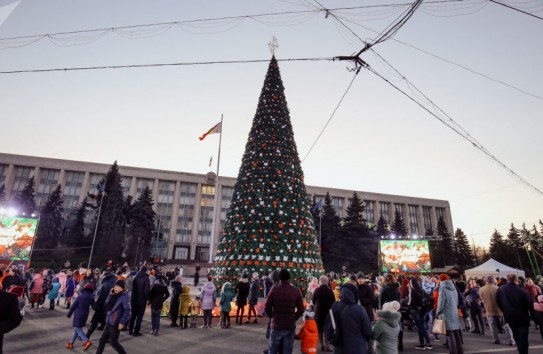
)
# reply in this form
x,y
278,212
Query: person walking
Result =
x,y
98,320
242,292
10,316
157,295
416,308
80,309
323,299
207,296
494,315
284,305
517,307
253,298
352,322
118,314
141,286
447,306
475,308
36,290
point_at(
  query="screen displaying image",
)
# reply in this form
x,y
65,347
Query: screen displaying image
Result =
x,y
16,237
406,256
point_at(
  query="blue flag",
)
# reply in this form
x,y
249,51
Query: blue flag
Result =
x,y
317,206
101,186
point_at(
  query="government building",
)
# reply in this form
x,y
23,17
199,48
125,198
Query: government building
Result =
x,y
184,202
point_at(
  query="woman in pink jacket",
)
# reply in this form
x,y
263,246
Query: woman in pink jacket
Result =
x,y
36,290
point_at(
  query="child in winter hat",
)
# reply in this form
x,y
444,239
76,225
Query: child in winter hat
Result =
x,y
387,328
309,334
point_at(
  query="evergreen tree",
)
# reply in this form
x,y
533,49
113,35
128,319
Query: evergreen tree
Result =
x,y
76,236
142,225
25,201
398,226
330,236
462,250
50,227
2,195
354,222
498,247
382,228
269,224
110,238
514,243
442,251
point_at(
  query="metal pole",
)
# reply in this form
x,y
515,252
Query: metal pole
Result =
x,y
96,229
216,200
320,230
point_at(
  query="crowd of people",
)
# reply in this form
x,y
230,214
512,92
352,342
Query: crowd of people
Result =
x,y
347,313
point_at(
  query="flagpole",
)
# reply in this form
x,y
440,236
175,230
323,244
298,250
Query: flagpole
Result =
x,y
96,228
216,200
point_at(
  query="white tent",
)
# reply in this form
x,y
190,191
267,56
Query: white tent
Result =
x,y
494,268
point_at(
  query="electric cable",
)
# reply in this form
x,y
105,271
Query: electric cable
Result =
x,y
516,9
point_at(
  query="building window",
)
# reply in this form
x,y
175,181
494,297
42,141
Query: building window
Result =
x,y
369,213
202,254
125,183
399,208
204,237
440,213
141,183
226,199
413,224
3,173
93,182
188,195
208,196
384,211
181,252
22,175
72,192
48,182
337,203
427,218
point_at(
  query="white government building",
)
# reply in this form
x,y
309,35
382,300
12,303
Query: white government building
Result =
x,y
184,201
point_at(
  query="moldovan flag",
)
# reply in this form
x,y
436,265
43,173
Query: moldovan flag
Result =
x,y
216,129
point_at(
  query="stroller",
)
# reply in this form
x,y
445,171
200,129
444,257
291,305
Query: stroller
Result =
x,y
20,292
406,321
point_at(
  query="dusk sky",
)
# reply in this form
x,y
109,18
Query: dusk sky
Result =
x,y
377,141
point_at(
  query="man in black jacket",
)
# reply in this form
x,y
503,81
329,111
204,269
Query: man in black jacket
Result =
x,y
323,299
366,296
517,306
140,295
10,317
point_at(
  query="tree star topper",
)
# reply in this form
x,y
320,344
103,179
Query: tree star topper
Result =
x,y
273,45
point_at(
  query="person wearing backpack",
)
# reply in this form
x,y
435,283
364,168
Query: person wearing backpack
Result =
x,y
352,326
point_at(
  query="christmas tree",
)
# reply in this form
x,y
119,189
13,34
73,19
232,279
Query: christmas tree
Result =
x,y
269,223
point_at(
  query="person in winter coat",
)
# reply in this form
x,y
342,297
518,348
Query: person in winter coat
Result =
x,y
517,307
404,289
253,298
494,315
415,302
309,334
62,278
226,298
47,282
447,306
88,278
70,289
36,290
475,306
196,278
80,309
157,295
366,296
242,292
207,296
195,306
118,314
284,305
174,302
323,299
99,317
10,316
53,293
184,306
387,328
141,286
390,290
268,283
538,313
352,321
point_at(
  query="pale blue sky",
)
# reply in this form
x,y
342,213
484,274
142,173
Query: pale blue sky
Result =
x,y
377,142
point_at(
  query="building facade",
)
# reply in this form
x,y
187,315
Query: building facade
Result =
x,y
184,202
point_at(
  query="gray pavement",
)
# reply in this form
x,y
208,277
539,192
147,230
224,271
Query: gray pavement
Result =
x,y
45,331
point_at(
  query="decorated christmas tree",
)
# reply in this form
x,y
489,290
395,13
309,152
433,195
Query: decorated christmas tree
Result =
x,y
269,224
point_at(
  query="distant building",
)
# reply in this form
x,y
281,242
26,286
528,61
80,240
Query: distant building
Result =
x,y
184,201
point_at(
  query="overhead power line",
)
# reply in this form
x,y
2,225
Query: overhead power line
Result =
x,y
516,9
135,66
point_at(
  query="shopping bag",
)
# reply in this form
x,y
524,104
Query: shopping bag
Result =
x,y
439,326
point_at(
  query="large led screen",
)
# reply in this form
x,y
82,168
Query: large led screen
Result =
x,y
404,256
16,238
